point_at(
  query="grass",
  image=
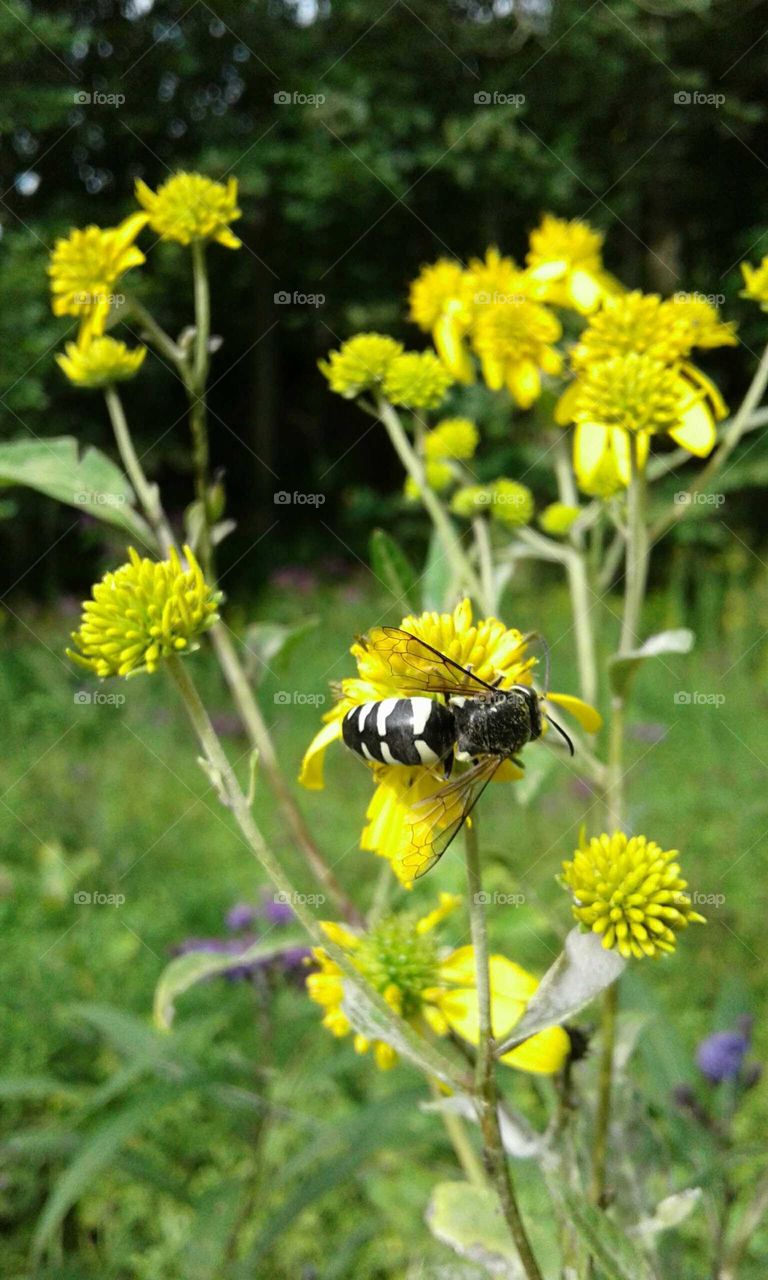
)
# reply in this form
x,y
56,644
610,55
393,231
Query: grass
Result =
x,y
269,1115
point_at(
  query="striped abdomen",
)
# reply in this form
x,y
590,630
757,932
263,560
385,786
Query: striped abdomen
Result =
x,y
400,731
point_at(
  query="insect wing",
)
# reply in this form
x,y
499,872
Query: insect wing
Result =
x,y
419,668
437,820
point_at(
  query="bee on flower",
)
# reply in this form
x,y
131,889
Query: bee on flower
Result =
x,y
431,987
438,694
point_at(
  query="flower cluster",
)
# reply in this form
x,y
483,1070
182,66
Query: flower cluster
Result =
x,y
87,266
249,923
495,653
431,988
633,380
630,892
145,611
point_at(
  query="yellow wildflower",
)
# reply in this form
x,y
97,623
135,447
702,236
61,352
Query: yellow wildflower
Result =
x,y
514,342
417,380
630,892
452,438
431,989
98,361
512,503
642,324
558,519
85,267
565,264
438,298
495,653
145,611
472,500
756,282
438,474
360,363
189,206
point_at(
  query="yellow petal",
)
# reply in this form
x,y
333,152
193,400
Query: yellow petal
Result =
x,y
590,444
311,773
340,934
589,719
524,383
448,903
542,1054
696,431
584,289
565,405
448,338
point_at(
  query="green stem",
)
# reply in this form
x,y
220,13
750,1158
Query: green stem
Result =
x,y
146,492
482,534
605,1090
260,739
637,553
460,1141
162,340
430,1059
464,573
198,412
486,1096
578,579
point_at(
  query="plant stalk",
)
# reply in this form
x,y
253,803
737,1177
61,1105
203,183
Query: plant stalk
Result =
x,y
146,492
486,1095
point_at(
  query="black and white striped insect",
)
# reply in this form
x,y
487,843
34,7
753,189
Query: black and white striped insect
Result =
x,y
477,724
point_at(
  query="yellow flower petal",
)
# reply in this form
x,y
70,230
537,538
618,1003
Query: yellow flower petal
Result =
x,y
696,431
311,774
589,719
542,1054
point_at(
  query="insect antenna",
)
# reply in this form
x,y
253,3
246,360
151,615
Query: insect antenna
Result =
x,y
561,731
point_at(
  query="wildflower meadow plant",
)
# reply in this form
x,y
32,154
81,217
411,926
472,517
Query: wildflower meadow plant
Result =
x,y
625,407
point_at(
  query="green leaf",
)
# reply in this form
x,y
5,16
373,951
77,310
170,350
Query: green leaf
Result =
x,y
391,566
188,970
90,481
622,666
583,969
437,581
612,1250
267,641
97,1152
469,1220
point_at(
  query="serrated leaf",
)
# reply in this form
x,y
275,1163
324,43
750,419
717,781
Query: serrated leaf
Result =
x,y
196,966
582,971
469,1220
391,566
612,1250
90,481
622,666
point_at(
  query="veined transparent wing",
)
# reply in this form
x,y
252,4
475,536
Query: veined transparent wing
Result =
x,y
437,820
420,668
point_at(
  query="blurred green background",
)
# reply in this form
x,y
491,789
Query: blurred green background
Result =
x,y
251,1129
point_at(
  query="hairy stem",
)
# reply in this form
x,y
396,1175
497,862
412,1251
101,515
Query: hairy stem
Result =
x,y
258,733
464,573
430,1059
605,1091
198,413
146,492
486,1096
485,562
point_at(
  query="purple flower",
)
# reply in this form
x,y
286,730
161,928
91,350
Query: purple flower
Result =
x,y
241,916
222,946
276,911
721,1056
